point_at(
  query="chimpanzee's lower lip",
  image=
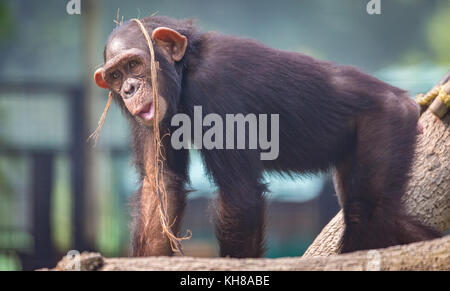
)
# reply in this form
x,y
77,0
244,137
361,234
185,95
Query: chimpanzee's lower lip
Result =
x,y
148,112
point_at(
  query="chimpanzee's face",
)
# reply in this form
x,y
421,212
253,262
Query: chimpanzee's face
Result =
x,y
127,70
127,73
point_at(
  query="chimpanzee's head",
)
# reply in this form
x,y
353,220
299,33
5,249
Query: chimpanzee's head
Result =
x,y
127,72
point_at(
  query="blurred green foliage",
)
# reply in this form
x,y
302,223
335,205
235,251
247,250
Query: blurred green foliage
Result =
x,y
5,29
6,21
9,261
438,33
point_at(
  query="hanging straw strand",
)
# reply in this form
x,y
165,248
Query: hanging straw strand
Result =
x,y
98,130
175,242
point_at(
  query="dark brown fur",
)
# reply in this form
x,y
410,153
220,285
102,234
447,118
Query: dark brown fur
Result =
x,y
330,117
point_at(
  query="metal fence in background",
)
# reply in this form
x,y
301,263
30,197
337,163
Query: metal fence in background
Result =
x,y
26,223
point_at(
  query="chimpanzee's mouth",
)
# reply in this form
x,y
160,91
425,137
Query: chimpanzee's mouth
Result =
x,y
147,112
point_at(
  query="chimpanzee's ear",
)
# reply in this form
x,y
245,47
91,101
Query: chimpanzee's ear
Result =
x,y
98,77
170,40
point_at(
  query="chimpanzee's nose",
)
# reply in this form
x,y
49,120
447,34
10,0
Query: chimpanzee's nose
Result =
x,y
130,87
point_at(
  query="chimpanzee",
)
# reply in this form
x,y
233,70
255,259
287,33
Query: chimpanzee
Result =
x,y
330,117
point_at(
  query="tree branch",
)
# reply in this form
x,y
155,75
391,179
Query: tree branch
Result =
x,y
429,255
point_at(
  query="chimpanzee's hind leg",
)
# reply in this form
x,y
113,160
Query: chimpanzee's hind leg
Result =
x,y
240,221
374,179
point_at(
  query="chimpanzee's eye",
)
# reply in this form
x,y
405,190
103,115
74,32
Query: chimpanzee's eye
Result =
x,y
132,64
115,75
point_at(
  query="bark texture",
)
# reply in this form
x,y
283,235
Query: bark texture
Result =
x,y
431,255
